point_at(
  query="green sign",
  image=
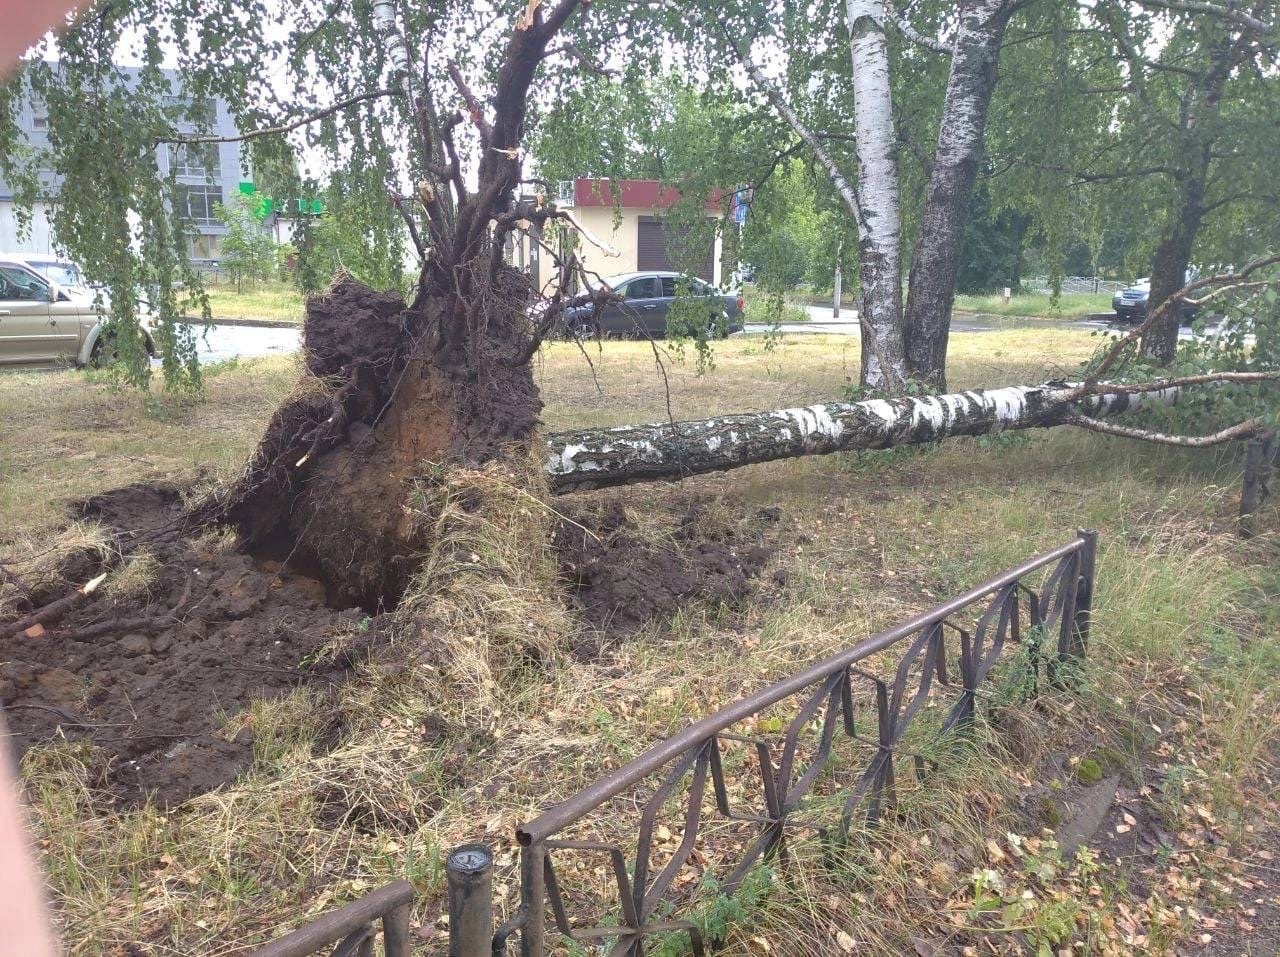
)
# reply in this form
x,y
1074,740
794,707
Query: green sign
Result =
x,y
264,206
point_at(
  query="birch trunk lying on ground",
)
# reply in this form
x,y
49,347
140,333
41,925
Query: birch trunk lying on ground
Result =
x,y
597,458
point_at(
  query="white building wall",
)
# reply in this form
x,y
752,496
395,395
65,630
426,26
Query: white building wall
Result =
x,y
13,240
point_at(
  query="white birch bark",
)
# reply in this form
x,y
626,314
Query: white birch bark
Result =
x,y
880,226
384,20
598,458
874,203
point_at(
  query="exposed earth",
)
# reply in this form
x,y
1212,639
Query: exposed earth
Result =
x,y
160,678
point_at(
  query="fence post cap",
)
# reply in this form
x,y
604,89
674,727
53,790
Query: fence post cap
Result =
x,y
469,859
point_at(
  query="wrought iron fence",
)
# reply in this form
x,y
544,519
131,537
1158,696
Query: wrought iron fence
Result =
x,y
354,927
832,694
941,654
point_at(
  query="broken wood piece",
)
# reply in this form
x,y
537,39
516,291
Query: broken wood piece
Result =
x,y
54,610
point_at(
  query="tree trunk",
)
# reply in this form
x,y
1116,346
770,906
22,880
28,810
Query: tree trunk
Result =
x,y
1169,266
1195,155
598,458
879,209
940,241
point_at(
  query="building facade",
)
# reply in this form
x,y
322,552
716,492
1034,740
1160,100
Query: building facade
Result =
x,y
206,175
629,215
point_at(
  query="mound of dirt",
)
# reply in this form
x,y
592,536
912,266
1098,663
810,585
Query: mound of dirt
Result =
x,y
149,675
620,577
153,673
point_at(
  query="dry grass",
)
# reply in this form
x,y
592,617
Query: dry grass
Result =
x,y
478,717
64,435
36,560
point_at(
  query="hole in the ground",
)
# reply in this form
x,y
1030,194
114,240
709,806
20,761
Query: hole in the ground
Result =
x,y
280,550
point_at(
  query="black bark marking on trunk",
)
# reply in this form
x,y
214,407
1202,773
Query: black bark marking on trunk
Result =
x,y
940,240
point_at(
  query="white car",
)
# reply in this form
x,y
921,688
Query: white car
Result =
x,y
48,313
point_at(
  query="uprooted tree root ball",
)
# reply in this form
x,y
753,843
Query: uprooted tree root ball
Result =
x,y
328,486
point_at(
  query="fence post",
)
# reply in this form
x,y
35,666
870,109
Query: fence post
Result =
x,y
469,869
533,893
1259,462
395,932
1084,595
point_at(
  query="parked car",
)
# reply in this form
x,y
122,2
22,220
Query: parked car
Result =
x,y
646,301
1130,304
42,322
66,274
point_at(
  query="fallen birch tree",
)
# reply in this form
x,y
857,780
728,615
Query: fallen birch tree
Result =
x,y
581,459
598,458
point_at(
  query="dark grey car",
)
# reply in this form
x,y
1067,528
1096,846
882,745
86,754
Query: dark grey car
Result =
x,y
647,298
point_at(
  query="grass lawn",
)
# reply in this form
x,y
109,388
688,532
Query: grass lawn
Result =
x,y
1180,698
280,301
264,300
1075,306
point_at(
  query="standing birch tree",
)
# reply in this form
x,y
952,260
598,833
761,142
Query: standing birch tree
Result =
x,y
905,345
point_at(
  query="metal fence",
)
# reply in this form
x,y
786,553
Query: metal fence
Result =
x,y
1075,285
830,699
944,661
353,928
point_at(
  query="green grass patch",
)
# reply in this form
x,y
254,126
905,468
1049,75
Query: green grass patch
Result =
x,y
1029,304
264,300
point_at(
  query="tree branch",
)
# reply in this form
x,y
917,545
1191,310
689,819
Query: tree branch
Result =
x,y
1223,280
1227,12
1177,382
911,33
284,127
1241,430
472,104
398,201
589,64
847,190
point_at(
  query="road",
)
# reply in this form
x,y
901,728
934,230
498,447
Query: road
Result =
x,y
821,323
220,343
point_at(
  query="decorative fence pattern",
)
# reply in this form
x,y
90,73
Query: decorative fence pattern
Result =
x,y
1072,285
940,655
1061,607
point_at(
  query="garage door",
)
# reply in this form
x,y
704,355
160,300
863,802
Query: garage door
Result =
x,y
652,250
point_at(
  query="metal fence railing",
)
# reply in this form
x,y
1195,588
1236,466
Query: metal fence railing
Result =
x,y
1075,285
831,694
700,775
354,927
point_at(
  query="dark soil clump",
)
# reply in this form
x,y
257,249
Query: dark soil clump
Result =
x,y
331,478
147,676
619,578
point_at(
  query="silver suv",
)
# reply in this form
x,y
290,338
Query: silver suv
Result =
x,y
42,321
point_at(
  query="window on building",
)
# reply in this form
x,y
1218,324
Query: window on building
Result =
x,y
196,204
40,122
204,247
195,160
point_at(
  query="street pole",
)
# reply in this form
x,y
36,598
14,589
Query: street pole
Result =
x,y
835,299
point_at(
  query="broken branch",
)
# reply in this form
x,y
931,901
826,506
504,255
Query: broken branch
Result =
x,y
1241,430
55,609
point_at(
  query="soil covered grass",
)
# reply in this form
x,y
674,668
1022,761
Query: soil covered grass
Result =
x,y
490,693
